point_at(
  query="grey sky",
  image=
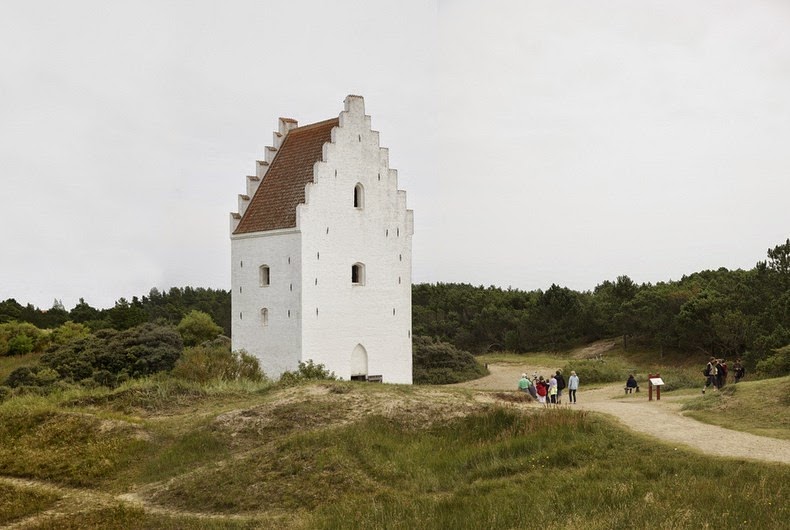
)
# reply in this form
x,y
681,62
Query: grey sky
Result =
x,y
539,142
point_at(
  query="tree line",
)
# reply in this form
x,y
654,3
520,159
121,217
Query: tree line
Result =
x,y
163,307
720,312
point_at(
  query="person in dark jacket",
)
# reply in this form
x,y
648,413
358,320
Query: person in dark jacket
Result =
x,y
739,370
560,385
631,384
721,378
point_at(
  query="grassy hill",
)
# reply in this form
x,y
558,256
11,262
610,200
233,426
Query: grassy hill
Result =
x,y
758,407
157,453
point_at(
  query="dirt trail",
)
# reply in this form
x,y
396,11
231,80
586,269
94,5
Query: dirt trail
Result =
x,y
660,419
75,500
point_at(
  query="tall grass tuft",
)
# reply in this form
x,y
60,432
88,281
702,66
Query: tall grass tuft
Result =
x,y
16,502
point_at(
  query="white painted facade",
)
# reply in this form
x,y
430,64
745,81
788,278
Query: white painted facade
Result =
x,y
313,310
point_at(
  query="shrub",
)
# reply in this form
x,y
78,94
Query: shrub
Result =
x,y
307,371
439,363
33,376
22,376
776,365
68,332
197,327
19,338
20,345
215,361
108,356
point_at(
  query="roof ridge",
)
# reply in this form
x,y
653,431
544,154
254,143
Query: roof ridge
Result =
x,y
324,122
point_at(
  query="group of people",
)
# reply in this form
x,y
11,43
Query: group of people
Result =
x,y
548,390
716,372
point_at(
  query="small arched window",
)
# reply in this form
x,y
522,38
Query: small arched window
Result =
x,y
264,275
359,196
264,317
358,274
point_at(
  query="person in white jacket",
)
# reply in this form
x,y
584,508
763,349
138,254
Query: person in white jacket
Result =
x,y
573,386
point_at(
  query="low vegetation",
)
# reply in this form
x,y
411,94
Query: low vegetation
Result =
x,y
439,363
758,407
336,454
307,371
596,371
143,408
214,360
17,502
740,313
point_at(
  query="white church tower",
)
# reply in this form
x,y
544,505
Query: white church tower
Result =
x,y
321,254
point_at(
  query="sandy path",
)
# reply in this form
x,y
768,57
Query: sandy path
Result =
x,y
661,419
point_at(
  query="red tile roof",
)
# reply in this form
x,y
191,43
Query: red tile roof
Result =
x,y
274,204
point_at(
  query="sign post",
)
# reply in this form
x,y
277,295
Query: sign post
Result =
x,y
654,380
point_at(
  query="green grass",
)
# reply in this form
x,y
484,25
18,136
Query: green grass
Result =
x,y
345,455
538,359
9,363
504,470
68,448
594,371
16,503
180,453
757,407
122,517
161,395
496,469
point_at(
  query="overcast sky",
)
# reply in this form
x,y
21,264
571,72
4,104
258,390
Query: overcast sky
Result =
x,y
539,142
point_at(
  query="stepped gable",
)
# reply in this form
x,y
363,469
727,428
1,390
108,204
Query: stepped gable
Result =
x,y
274,204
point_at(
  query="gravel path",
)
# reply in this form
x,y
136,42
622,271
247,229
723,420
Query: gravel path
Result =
x,y
661,419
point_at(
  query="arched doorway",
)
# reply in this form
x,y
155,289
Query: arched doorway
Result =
x,y
359,363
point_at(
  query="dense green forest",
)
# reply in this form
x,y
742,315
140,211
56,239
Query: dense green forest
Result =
x,y
717,312
160,307
722,312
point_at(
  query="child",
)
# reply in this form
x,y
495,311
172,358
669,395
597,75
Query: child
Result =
x,y
542,389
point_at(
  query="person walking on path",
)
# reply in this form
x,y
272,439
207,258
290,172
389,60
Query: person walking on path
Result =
x,y
738,370
560,385
711,371
573,386
722,375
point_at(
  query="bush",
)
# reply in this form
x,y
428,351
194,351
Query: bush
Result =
x,y
19,338
197,327
776,365
215,361
109,357
440,363
32,376
69,332
20,345
308,371
22,376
